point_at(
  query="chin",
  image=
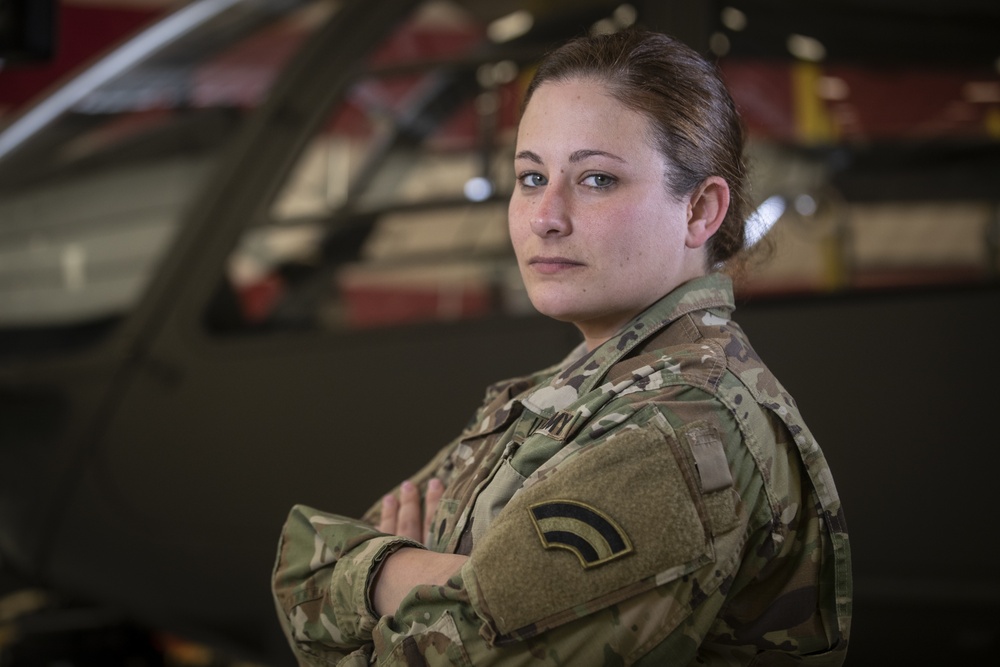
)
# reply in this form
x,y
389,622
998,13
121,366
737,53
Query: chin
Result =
x,y
551,308
557,310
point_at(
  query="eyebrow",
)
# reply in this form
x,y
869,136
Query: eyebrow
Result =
x,y
575,156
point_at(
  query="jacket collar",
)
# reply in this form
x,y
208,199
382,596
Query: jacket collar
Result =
x,y
582,371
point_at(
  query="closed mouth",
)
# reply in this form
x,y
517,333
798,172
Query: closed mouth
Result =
x,y
552,266
554,260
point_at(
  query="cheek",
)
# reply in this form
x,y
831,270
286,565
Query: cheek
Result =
x,y
659,227
642,243
515,221
519,226
629,231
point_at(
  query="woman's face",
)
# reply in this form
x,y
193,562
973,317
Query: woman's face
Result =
x,y
597,235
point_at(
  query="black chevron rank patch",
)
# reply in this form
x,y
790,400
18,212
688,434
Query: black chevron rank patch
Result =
x,y
593,536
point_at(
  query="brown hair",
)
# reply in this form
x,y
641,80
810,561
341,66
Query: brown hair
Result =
x,y
691,112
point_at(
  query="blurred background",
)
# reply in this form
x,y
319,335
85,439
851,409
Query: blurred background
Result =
x,y
253,253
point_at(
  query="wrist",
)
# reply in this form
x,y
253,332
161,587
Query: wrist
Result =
x,y
406,568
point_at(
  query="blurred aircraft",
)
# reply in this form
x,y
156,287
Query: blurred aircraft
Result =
x,y
257,256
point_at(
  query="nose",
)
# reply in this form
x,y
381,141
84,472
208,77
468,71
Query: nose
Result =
x,y
550,216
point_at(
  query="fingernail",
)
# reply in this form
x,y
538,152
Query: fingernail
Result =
x,y
407,485
435,483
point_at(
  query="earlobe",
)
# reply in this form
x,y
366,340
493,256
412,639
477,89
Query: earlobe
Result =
x,y
707,209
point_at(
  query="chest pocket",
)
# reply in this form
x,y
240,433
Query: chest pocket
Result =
x,y
519,461
505,483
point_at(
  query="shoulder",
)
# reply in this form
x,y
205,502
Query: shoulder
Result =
x,y
705,380
697,348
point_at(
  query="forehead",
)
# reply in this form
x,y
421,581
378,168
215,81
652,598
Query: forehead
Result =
x,y
581,109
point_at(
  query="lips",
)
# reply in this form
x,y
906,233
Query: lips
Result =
x,y
552,265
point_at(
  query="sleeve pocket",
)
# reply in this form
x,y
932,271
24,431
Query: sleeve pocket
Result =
x,y
622,516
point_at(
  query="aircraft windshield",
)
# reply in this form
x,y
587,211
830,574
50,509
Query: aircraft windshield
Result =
x,y
91,200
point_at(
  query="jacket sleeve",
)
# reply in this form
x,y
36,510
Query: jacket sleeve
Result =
x,y
657,542
617,551
322,574
324,610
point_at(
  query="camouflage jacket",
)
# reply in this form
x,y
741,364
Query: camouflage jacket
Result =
x,y
657,501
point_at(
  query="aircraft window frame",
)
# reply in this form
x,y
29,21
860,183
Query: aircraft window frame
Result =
x,y
91,203
300,244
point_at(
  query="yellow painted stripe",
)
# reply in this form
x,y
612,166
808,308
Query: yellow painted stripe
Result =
x,y
993,122
813,123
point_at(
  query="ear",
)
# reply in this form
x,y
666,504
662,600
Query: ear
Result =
x,y
706,210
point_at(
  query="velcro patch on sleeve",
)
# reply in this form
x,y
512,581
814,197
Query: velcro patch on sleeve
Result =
x,y
620,517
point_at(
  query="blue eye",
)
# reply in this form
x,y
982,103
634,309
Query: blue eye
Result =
x,y
532,180
599,181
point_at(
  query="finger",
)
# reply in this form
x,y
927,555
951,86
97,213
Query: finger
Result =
x,y
390,510
435,489
408,520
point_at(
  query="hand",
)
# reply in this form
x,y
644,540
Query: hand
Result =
x,y
408,567
403,516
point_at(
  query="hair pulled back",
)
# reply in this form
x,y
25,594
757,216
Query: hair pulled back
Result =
x,y
696,125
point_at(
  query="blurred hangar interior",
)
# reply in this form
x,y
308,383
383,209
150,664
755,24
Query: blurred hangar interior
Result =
x,y
253,253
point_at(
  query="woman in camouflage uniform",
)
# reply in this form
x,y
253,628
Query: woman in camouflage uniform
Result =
x,y
655,498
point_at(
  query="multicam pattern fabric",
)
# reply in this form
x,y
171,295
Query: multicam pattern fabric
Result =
x,y
658,501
